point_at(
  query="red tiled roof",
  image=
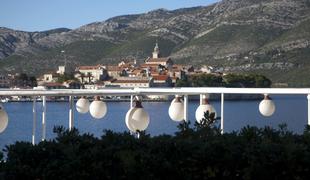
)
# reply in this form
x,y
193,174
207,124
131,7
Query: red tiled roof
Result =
x,y
89,67
126,65
158,59
113,68
149,65
137,71
131,81
154,73
160,77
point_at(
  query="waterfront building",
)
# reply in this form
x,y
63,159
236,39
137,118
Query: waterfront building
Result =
x,y
164,61
137,73
91,74
130,82
162,81
114,71
178,71
97,85
50,77
128,63
206,69
61,70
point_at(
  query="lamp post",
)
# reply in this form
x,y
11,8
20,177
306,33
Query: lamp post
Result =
x,y
34,120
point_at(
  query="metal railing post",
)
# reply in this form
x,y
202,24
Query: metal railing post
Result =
x,y
308,97
186,108
131,101
34,116
222,113
71,112
43,118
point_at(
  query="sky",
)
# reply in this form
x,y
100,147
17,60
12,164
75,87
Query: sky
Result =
x,y
40,15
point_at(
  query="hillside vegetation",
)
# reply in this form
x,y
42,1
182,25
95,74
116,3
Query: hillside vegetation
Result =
x,y
271,37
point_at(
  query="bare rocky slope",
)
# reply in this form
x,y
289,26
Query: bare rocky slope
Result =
x,y
270,37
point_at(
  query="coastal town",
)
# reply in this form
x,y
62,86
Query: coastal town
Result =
x,y
156,71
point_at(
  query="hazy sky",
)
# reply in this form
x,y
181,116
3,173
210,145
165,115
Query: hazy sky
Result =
x,y
38,15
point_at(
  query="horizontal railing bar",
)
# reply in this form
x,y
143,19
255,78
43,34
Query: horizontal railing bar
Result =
x,y
152,91
248,90
67,92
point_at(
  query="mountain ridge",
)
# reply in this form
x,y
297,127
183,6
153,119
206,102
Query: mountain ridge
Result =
x,y
269,37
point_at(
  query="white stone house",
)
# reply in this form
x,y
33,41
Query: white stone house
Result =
x,y
91,74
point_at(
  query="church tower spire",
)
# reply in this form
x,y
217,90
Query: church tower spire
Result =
x,y
156,51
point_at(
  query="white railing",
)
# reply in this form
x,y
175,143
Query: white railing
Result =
x,y
144,91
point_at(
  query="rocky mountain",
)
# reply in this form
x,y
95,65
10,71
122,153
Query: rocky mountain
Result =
x,y
270,37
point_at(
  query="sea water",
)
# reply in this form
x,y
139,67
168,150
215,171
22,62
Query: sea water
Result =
x,y
291,110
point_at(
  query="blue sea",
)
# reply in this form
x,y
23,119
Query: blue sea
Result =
x,y
291,110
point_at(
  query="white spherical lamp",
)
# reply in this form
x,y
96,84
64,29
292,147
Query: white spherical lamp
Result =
x,y
129,115
137,119
204,107
176,109
97,108
4,119
82,105
267,106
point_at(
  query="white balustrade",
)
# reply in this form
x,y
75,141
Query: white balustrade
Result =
x,y
185,92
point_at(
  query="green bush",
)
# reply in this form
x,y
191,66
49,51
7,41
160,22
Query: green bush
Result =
x,y
249,80
199,152
229,80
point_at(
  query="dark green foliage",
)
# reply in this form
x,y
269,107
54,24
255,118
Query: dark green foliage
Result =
x,y
23,80
183,82
230,80
208,80
251,80
65,77
201,152
208,120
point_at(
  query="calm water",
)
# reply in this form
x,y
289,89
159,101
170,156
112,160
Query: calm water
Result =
x,y
291,110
